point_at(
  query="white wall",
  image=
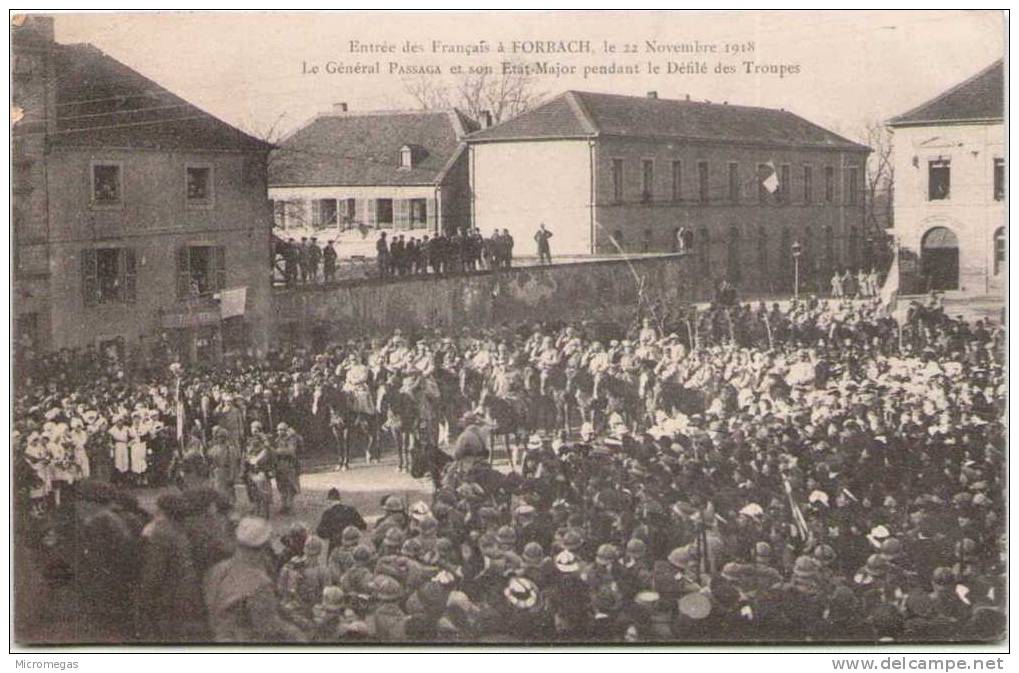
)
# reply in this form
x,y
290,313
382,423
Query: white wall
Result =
x,y
971,211
519,185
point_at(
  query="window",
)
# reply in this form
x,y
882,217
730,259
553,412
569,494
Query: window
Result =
x,y
106,185
685,239
999,179
108,275
199,184
733,181
647,240
406,157
702,181
829,184
854,185
939,179
349,211
783,184
617,180
677,180
324,211
418,213
808,184
854,248
1000,250
201,270
384,212
647,180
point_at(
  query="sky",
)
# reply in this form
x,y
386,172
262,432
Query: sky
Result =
x,y
854,67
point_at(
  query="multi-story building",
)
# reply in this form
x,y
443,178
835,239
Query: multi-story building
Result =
x,y
736,185
378,170
950,187
132,210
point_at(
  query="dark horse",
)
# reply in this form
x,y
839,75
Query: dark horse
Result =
x,y
548,399
353,416
510,418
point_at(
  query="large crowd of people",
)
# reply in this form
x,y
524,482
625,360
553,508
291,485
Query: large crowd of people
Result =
x,y
740,473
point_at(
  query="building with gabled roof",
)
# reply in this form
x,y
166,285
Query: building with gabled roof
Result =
x,y
736,185
376,170
950,187
132,210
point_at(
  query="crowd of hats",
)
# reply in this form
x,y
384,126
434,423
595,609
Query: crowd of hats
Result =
x,y
843,480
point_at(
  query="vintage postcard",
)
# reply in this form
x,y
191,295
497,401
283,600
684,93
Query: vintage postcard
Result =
x,y
533,328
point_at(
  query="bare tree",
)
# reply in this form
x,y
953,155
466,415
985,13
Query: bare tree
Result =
x,y
879,176
503,95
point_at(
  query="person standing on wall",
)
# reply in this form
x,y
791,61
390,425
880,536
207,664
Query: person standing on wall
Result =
x,y
541,238
382,254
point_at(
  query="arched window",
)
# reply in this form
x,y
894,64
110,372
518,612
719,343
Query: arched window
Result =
x,y
762,250
854,248
1000,250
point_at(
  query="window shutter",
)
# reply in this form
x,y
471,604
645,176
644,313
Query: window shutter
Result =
x,y
128,273
402,214
220,257
351,211
370,216
183,273
430,215
89,279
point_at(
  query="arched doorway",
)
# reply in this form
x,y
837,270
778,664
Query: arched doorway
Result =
x,y
939,259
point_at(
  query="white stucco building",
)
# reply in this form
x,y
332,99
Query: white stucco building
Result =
x,y
950,187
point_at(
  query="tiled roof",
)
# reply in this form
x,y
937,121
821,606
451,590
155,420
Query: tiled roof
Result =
x,y
348,148
584,114
103,103
979,98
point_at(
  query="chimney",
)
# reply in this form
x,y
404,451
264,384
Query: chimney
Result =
x,y
652,94
486,119
339,107
688,96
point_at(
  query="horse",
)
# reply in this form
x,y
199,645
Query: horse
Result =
x,y
450,405
398,410
580,391
620,396
428,460
549,407
353,414
510,418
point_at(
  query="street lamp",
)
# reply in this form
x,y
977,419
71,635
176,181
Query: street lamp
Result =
x,y
796,269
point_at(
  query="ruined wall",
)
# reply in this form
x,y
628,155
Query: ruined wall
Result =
x,y
597,290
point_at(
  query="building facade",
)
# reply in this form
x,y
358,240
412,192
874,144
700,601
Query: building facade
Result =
x,y
624,174
398,171
135,210
950,188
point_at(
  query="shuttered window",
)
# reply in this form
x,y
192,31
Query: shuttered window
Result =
x,y
108,275
201,270
402,207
